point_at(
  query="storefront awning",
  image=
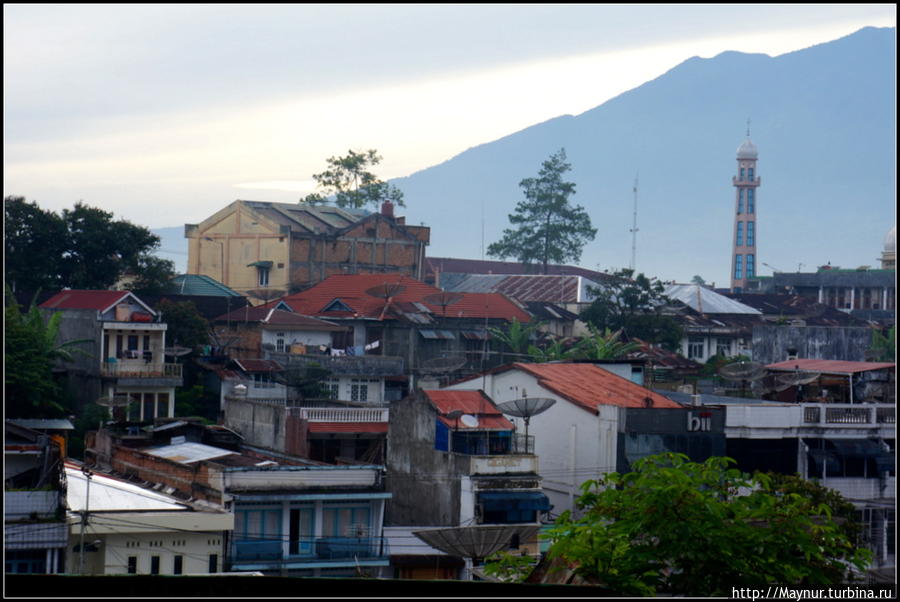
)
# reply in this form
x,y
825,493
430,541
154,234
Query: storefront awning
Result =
x,y
437,334
260,264
514,500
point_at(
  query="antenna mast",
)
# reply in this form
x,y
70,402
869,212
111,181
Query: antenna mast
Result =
x,y
634,228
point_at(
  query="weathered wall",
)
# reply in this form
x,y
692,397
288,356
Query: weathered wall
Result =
x,y
261,425
425,482
771,343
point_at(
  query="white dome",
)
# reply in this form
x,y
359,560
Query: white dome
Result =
x,y
890,241
747,150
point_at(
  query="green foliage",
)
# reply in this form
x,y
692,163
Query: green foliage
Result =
x,y
509,567
634,305
82,248
308,380
606,345
517,336
184,324
547,228
883,348
351,185
196,401
30,352
88,419
681,528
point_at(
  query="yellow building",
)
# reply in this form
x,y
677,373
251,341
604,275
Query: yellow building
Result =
x,y
266,249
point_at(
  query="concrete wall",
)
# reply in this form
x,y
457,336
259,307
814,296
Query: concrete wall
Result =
x,y
261,425
771,343
424,482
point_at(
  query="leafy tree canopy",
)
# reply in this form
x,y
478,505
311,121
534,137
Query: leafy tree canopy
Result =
x,y
81,248
634,305
677,527
348,180
184,324
547,228
31,349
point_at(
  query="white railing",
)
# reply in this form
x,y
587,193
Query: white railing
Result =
x,y
826,414
344,414
140,369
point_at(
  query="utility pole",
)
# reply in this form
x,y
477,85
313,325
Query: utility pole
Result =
x,y
84,515
634,228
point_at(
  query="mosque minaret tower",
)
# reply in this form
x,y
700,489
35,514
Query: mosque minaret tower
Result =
x,y
743,255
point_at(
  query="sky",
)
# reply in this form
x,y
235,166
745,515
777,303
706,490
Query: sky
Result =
x,y
163,114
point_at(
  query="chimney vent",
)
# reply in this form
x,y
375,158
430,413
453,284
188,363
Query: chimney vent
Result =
x,y
387,209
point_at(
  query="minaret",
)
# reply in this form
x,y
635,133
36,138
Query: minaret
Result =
x,y
743,255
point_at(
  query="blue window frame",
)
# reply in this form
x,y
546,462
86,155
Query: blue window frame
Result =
x,y
750,174
750,266
739,237
750,207
743,171
738,267
345,521
750,236
740,201
300,531
257,533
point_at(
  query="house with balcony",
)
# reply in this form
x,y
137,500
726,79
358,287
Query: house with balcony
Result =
x,y
125,353
398,316
459,452
580,436
291,515
35,535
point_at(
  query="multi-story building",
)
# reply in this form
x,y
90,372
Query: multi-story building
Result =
x,y
744,239
35,534
124,354
251,246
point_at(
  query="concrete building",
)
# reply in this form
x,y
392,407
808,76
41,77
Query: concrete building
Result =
x,y
253,246
578,437
746,183
125,352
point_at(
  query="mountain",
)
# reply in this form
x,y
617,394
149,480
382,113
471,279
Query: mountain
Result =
x,y
823,119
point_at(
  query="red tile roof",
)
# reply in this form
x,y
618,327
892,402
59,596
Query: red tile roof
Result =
x,y
351,291
474,403
829,366
84,299
588,386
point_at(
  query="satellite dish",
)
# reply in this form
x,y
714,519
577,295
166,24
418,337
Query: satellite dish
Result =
x,y
442,365
115,401
469,420
790,379
525,408
386,291
443,299
265,294
454,414
476,542
742,370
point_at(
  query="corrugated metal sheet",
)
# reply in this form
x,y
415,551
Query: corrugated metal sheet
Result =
x,y
188,452
109,494
829,366
706,301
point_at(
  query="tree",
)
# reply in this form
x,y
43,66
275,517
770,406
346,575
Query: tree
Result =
x,y
634,305
605,345
547,227
82,248
352,185
31,351
184,324
883,348
517,336
697,279
681,528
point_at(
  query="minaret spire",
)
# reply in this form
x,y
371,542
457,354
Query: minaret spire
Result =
x,y
743,253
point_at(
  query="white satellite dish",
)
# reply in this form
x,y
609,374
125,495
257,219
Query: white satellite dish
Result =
x,y
469,420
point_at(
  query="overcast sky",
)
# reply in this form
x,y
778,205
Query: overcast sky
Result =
x,y
163,114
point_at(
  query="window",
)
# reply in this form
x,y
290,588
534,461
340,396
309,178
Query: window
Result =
x,y
750,173
750,266
739,238
348,521
162,404
359,391
132,342
696,347
743,173
738,267
132,565
154,565
750,208
332,389
263,274
213,563
740,201
723,347
149,403
750,229
300,531
178,565
279,342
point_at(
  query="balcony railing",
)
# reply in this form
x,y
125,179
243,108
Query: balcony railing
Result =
x,y
349,365
848,414
140,369
343,414
311,549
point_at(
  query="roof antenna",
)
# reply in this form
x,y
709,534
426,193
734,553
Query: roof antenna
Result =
x,y
748,127
634,228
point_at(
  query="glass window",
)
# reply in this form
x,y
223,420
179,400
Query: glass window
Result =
x,y
178,565
132,565
154,565
213,563
738,267
743,172
279,342
739,238
263,276
750,207
352,521
750,229
740,201
750,174
162,404
723,347
359,391
696,347
750,266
